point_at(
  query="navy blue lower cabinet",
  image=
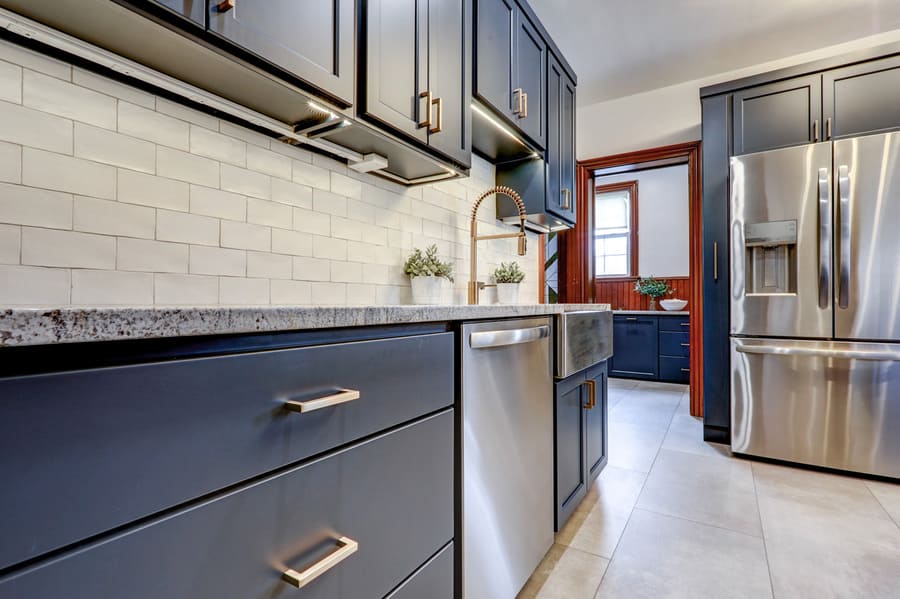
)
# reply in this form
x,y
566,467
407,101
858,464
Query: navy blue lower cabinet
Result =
x,y
580,437
635,347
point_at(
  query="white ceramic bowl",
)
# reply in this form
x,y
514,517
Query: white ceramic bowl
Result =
x,y
673,304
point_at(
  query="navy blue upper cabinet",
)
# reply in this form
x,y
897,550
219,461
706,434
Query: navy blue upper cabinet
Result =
x,y
560,155
510,66
312,40
862,98
786,113
194,10
417,78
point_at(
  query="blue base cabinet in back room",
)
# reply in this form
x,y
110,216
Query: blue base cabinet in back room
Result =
x,y
580,437
651,347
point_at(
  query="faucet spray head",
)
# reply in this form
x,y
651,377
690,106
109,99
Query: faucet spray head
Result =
x,y
522,244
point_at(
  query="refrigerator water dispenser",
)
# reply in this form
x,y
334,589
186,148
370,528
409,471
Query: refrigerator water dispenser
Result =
x,y
771,257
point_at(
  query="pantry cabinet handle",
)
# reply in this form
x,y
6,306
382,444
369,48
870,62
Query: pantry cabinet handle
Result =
x,y
592,392
225,5
816,130
428,103
346,548
440,115
309,405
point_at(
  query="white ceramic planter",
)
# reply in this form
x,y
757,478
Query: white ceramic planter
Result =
x,y
427,290
508,293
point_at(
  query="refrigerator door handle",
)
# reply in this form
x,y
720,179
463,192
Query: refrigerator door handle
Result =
x,y
824,238
779,350
844,255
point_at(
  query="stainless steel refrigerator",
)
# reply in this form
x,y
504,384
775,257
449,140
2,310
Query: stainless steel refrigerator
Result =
x,y
815,304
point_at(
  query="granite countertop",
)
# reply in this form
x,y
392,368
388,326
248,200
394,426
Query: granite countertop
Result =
x,y
40,326
654,312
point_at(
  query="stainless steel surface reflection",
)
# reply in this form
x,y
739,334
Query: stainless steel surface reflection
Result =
x,y
507,446
583,338
827,403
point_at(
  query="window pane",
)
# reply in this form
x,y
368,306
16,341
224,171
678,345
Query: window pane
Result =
x,y
617,245
616,265
611,210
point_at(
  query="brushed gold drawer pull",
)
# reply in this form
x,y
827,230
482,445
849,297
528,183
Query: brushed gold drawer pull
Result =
x,y
524,114
346,548
685,345
685,370
630,318
225,5
439,103
428,102
592,392
685,324
308,405
517,97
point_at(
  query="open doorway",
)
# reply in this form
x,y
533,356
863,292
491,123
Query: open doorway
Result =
x,y
638,236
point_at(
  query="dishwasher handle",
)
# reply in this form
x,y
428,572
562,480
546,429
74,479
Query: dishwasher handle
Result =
x,y
486,339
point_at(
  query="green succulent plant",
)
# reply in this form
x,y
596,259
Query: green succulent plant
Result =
x,y
508,272
653,287
427,264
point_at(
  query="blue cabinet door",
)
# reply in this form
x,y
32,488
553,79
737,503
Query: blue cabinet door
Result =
x,y
635,347
569,430
595,423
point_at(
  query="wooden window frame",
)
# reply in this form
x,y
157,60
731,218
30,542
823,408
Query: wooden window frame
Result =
x,y
633,232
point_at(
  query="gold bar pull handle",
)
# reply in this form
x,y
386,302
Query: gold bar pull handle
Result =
x,y
428,103
715,260
592,392
816,130
524,114
345,548
225,5
567,202
310,405
827,128
439,102
517,97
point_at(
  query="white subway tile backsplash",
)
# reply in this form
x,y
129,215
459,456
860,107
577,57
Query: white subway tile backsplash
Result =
x,y
218,203
22,125
189,290
311,269
113,218
64,173
241,180
10,244
140,188
291,242
333,294
49,94
186,228
152,201
111,288
311,176
28,286
245,236
21,205
103,145
10,82
110,87
266,161
264,212
217,146
290,292
10,163
292,193
243,292
184,166
218,261
269,266
51,247
147,124
151,256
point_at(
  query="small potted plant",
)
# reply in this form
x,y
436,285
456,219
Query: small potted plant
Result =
x,y
427,274
654,288
507,277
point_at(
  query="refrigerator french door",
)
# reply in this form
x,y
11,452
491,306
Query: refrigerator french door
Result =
x,y
815,304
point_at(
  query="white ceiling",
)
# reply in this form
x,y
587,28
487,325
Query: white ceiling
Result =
x,y
622,47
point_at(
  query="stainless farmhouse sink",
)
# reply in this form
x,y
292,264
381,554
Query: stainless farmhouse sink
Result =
x,y
583,338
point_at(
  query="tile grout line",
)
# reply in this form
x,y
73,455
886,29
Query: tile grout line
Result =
x,y
763,531
881,505
612,554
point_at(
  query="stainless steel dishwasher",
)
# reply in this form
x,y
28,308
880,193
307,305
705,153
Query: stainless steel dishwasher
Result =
x,y
507,454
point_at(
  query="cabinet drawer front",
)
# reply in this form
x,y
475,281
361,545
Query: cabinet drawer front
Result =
x,y
434,580
393,495
676,370
116,444
674,344
675,323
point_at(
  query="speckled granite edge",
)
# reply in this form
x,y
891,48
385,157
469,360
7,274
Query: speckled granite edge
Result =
x,y
41,326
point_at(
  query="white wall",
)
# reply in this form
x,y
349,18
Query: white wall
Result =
x,y
671,114
112,196
663,224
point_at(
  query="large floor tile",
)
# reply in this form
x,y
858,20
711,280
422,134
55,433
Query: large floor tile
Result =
x,y
664,557
657,386
703,489
686,434
616,489
596,531
633,446
647,412
565,573
617,383
888,495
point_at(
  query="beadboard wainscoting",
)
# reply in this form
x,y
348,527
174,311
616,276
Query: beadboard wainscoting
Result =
x,y
620,293
114,196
